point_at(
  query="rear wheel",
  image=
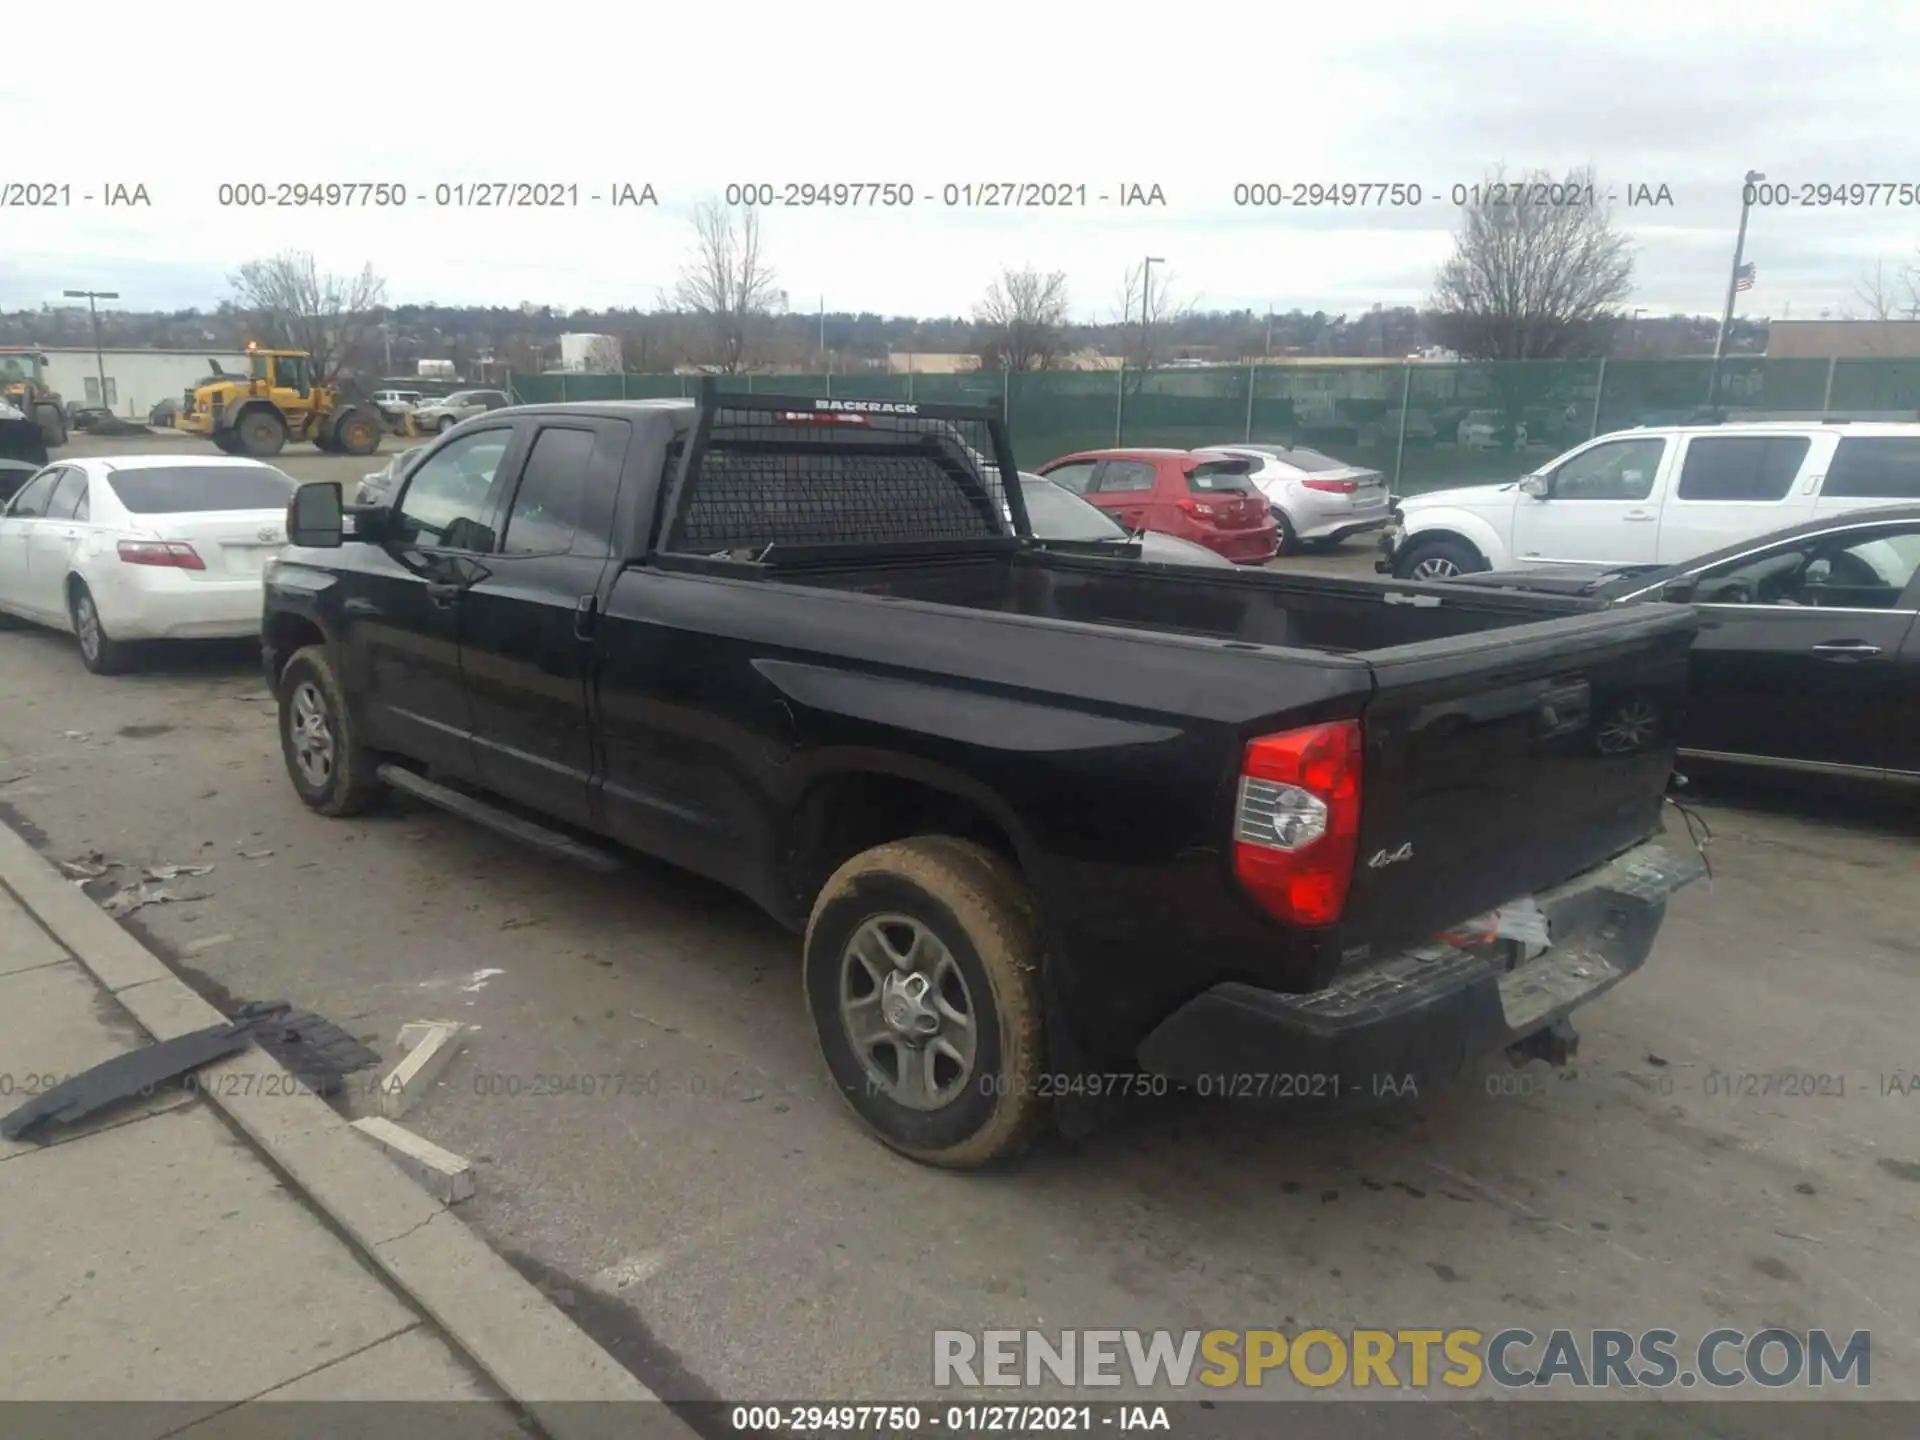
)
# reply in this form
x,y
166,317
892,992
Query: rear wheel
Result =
x,y
922,972
53,425
1289,538
99,651
1438,560
260,433
329,769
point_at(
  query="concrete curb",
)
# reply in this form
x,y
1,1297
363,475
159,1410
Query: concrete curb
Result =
x,y
512,1332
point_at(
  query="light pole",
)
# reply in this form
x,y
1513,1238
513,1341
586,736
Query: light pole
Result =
x,y
1633,337
1754,177
99,354
1146,303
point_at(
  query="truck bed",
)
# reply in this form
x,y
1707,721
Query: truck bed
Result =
x,y
1258,607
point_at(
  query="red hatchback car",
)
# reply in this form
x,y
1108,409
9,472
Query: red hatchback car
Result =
x,y
1195,494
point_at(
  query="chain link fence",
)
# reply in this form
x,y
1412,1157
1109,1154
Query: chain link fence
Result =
x,y
1423,425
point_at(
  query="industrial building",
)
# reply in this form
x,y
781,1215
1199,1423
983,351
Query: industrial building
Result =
x,y
137,380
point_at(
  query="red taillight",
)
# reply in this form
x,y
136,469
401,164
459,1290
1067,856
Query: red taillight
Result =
x,y
1333,487
175,553
1202,508
1297,821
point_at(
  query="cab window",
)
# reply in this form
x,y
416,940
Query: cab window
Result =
x,y
448,502
1617,470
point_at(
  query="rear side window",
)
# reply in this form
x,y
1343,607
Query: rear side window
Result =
x,y
546,507
1877,467
1124,477
1220,477
1741,467
190,489
1072,477
67,497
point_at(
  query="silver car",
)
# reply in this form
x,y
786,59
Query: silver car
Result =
x,y
1318,500
377,487
444,414
1056,513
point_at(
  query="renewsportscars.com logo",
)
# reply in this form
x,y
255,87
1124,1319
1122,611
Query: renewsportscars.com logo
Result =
x,y
1458,1359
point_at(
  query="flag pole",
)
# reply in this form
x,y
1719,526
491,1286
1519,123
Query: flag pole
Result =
x,y
1754,177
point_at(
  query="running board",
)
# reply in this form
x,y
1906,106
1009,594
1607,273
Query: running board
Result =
x,y
527,832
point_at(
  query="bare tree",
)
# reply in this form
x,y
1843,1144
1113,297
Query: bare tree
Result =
x,y
1875,292
1533,281
727,281
300,307
1025,312
1147,298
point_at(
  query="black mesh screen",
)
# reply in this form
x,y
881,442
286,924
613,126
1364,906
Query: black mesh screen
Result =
x,y
791,478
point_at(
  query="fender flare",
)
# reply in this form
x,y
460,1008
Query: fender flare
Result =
x,y
1457,524
228,416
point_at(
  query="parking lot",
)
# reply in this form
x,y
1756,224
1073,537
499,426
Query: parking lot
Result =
x,y
722,1224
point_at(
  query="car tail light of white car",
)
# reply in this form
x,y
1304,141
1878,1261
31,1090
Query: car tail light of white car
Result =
x,y
176,554
1297,821
1333,487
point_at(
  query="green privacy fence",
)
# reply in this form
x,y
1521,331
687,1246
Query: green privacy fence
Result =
x,y
1424,425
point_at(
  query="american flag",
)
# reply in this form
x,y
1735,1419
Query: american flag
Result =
x,y
1743,277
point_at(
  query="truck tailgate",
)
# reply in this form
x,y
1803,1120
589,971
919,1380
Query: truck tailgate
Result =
x,y
1499,764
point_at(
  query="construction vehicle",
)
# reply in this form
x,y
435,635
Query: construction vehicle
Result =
x,y
23,385
277,401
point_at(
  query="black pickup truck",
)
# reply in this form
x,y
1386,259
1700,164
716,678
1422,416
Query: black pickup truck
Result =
x,y
1045,816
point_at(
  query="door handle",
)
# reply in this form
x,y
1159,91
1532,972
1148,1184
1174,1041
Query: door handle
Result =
x,y
1638,515
1846,650
585,610
442,594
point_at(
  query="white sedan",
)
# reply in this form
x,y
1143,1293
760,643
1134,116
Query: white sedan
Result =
x,y
142,547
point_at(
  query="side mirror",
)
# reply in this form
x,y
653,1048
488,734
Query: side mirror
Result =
x,y
315,517
1538,486
1680,591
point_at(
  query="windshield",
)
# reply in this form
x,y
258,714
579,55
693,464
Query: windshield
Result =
x,y
1057,515
185,489
1312,461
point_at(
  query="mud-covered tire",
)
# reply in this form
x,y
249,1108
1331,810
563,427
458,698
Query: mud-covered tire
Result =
x,y
355,431
260,433
99,651
976,906
53,425
347,785
1439,559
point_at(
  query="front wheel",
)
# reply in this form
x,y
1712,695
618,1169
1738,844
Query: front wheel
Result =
x,y
329,770
447,422
1438,560
922,972
261,433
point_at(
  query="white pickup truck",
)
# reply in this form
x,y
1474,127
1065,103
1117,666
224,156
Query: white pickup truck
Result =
x,y
1655,495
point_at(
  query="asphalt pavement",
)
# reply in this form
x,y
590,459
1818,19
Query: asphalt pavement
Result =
x,y
645,1108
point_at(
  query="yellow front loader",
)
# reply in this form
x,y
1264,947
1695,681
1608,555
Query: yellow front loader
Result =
x,y
277,401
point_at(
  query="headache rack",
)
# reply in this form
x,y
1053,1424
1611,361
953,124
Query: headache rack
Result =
x,y
787,480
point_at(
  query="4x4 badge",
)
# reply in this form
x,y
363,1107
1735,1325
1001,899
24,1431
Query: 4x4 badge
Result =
x,y
1383,858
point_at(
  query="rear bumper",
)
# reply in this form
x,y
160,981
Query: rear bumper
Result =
x,y
150,603
1422,1016
1243,547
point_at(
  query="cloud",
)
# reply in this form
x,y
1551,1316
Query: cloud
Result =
x,y
1193,101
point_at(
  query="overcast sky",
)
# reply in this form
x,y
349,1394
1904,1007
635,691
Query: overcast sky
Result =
x,y
1193,98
